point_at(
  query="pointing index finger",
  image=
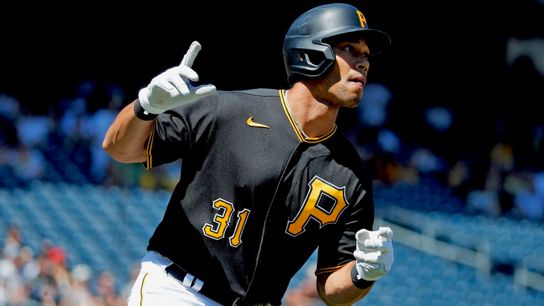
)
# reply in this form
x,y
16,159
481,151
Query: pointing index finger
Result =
x,y
386,232
189,57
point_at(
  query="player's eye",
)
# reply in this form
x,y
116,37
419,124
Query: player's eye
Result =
x,y
349,49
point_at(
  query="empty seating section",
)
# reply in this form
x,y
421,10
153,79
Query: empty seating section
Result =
x,y
506,240
420,279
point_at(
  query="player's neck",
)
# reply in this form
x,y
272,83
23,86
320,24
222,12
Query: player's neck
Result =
x,y
313,117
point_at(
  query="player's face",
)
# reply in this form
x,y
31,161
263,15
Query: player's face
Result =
x,y
343,85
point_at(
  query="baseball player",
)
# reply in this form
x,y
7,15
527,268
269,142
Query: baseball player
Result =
x,y
267,177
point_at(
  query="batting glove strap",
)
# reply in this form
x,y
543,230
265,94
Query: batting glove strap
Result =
x,y
141,113
358,281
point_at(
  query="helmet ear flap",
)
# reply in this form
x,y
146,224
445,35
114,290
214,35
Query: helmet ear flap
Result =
x,y
307,59
308,63
311,58
315,58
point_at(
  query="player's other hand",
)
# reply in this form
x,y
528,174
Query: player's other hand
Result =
x,y
374,253
175,86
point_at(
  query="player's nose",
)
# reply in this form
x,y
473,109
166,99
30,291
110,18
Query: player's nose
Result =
x,y
362,65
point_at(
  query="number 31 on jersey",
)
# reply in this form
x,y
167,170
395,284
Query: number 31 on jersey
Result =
x,y
309,210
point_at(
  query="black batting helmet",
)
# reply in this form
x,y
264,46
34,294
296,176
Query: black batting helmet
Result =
x,y
305,53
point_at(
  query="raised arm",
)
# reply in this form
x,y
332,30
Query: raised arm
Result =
x,y
126,138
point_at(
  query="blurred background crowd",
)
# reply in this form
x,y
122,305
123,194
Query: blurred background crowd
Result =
x,y
450,126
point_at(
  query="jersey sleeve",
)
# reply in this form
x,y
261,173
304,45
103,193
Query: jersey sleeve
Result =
x,y
337,247
180,131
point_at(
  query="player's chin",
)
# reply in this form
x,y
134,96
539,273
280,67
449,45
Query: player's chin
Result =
x,y
356,89
350,96
352,102
354,99
352,105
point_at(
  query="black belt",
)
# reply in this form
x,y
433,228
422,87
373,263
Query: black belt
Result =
x,y
220,295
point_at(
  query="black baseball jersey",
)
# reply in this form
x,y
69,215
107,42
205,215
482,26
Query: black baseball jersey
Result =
x,y
255,198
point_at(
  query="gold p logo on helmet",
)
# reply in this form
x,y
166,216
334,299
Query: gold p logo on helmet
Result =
x,y
362,19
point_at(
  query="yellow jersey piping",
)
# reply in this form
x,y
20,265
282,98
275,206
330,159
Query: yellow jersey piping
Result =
x,y
295,127
149,157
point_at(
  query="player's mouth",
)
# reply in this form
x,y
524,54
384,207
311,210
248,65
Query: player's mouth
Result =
x,y
360,81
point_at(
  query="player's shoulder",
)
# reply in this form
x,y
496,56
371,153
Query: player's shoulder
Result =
x,y
347,153
249,93
261,92
237,100
232,103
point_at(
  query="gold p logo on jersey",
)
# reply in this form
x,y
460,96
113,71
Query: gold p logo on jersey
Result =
x,y
362,19
311,210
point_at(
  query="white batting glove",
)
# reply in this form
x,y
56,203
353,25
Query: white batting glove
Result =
x,y
374,253
173,87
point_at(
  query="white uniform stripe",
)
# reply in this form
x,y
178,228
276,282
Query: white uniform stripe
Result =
x,y
188,280
198,285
